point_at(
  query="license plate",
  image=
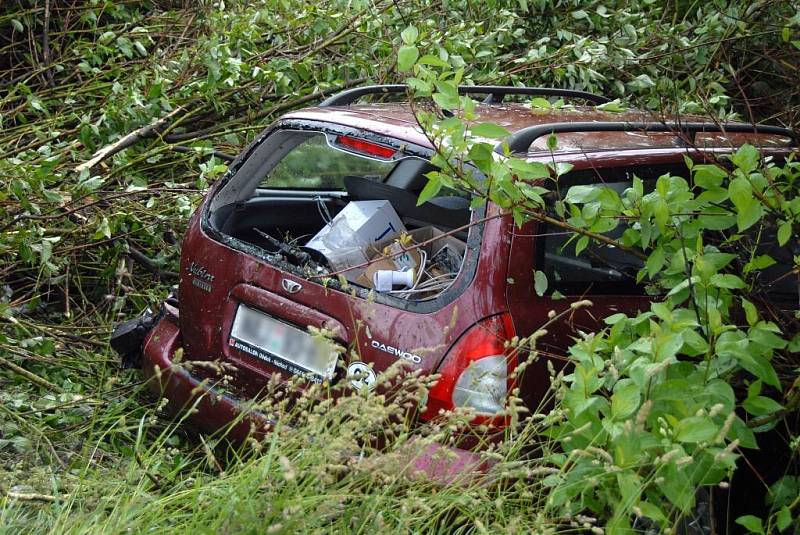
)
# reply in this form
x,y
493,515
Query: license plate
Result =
x,y
282,345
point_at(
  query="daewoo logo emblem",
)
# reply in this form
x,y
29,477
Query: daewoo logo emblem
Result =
x,y
291,286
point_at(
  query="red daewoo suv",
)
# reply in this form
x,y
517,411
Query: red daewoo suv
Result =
x,y
315,224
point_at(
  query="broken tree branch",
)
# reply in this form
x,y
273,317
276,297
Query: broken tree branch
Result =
x,y
128,140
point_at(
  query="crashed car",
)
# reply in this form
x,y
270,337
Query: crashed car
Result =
x,y
316,225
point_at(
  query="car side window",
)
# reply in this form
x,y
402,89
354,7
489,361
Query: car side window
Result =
x,y
599,268
314,164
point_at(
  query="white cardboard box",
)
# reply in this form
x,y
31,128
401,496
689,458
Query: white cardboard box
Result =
x,y
360,224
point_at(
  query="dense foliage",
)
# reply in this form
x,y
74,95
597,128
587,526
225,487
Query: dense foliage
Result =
x,y
647,414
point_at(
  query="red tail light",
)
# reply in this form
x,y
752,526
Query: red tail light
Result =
x,y
477,371
365,147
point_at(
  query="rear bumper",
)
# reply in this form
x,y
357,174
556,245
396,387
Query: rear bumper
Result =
x,y
211,411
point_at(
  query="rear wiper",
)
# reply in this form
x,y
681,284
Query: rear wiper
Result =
x,y
286,249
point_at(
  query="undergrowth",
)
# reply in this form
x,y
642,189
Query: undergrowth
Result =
x,y
85,243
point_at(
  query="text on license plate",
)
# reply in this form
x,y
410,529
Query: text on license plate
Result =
x,y
282,345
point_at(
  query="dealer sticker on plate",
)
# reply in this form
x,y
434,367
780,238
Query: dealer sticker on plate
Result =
x,y
282,345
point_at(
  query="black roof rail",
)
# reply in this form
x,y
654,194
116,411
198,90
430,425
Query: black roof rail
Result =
x,y
495,93
519,142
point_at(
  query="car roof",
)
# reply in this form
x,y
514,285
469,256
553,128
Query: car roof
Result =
x,y
397,120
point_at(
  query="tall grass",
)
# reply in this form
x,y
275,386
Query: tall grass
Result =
x,y
331,464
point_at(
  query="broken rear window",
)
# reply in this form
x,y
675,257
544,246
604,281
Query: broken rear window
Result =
x,y
321,161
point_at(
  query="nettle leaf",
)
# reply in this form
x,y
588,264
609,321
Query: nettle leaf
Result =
x,y
103,230
489,130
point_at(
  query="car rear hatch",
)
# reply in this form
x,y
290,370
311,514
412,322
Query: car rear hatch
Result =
x,y
250,301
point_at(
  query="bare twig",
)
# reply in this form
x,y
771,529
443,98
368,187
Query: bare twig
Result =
x,y
46,44
150,265
30,376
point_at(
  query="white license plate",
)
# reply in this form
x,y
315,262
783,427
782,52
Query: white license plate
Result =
x,y
282,345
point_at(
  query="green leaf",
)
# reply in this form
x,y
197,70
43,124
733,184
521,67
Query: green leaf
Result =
x,y
552,142
696,429
529,170
751,523
409,35
431,189
625,399
103,230
783,519
784,491
406,57
540,103
563,168
759,367
582,194
709,176
746,158
739,431
655,261
750,311
481,155
106,37
445,101
749,215
724,280
17,25
761,405
613,107
784,233
539,282
741,192
433,60
581,245
489,130
760,262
